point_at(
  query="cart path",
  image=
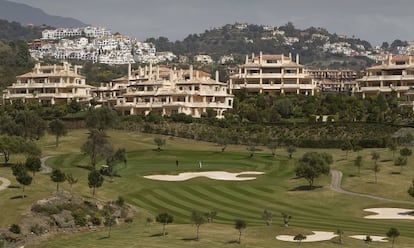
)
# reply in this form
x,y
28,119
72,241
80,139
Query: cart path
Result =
x,y
5,183
336,186
45,169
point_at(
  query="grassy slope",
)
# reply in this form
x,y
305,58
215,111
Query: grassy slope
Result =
x,y
320,209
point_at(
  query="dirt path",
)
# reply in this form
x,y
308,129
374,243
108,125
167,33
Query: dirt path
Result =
x,y
336,186
45,169
5,183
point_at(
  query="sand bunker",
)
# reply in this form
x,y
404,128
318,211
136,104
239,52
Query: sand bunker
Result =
x,y
5,183
315,237
374,238
216,175
390,213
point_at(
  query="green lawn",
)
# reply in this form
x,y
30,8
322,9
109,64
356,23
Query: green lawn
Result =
x,y
320,209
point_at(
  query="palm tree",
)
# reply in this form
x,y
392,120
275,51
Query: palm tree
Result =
x,y
240,225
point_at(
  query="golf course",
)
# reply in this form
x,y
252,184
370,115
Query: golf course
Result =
x,y
274,187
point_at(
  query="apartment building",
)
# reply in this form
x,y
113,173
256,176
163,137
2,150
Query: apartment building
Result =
x,y
273,74
394,75
334,80
170,91
49,85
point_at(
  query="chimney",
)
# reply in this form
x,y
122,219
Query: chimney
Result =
x,y
197,74
290,56
180,75
283,57
129,71
247,59
150,72
260,57
158,73
191,72
171,75
217,76
252,57
139,72
297,58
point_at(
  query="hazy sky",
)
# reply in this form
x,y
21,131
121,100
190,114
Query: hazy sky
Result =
x,y
372,20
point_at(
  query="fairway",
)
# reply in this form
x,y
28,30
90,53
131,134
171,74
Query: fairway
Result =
x,y
277,190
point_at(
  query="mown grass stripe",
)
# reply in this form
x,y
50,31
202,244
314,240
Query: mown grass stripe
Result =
x,y
222,200
225,204
158,206
226,211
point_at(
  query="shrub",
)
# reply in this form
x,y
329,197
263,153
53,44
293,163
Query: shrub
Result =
x,y
37,229
129,220
46,209
181,117
96,220
80,217
15,229
124,213
120,202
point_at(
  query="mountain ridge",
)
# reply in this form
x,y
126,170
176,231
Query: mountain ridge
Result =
x,y
26,14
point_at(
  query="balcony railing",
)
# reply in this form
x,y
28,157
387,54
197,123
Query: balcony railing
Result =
x,y
168,104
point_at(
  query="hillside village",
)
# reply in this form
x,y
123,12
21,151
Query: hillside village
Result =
x,y
94,44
